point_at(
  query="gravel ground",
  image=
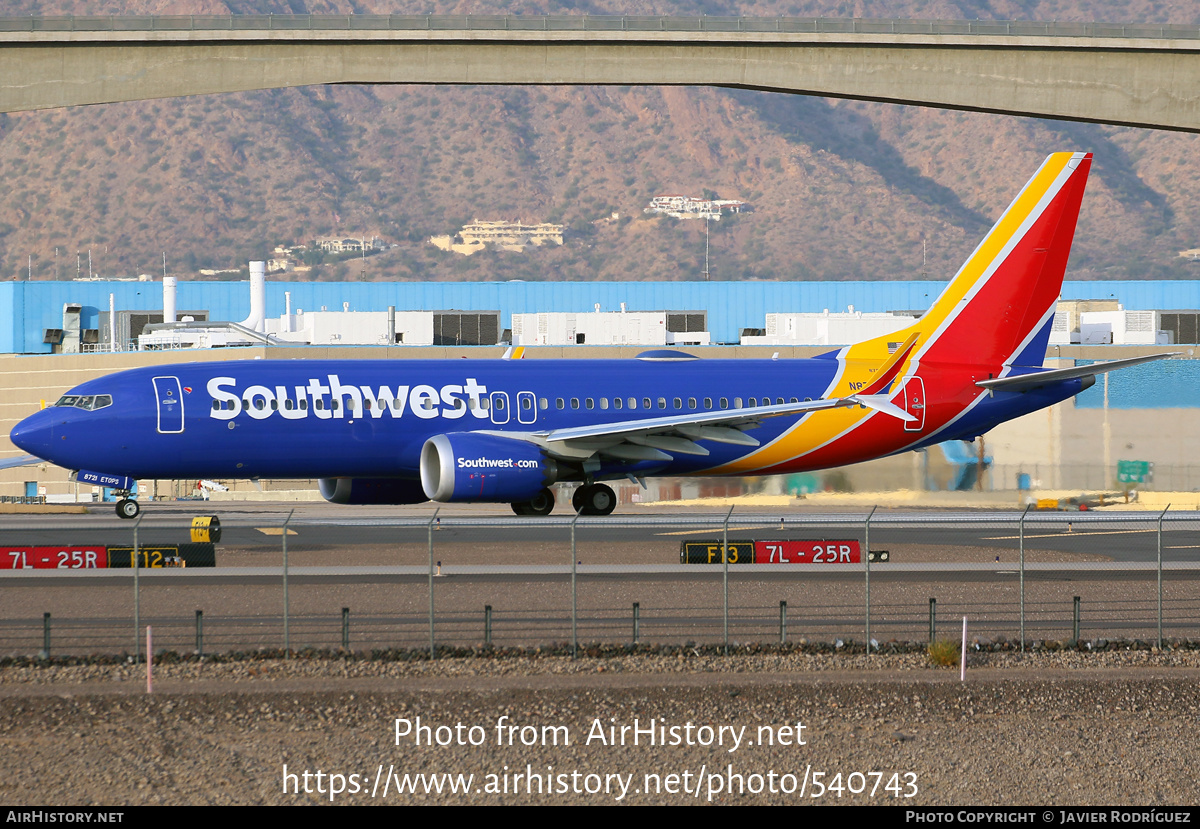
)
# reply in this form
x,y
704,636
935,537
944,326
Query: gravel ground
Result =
x,y
1048,729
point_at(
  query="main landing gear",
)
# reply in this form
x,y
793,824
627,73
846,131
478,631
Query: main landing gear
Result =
x,y
594,499
540,504
589,499
128,508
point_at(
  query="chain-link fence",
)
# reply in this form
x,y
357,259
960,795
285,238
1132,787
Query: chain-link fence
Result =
x,y
262,578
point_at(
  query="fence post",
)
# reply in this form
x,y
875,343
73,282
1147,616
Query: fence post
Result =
x,y
867,555
932,620
783,622
345,628
429,530
725,578
1075,622
287,640
574,621
637,620
199,633
487,625
46,635
1159,567
1021,535
137,595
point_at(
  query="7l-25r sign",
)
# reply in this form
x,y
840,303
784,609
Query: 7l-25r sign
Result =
x,y
807,552
824,551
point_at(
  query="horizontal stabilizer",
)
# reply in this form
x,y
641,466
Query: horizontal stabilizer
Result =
x,y
1023,382
880,403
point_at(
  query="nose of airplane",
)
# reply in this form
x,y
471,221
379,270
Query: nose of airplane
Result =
x,y
34,434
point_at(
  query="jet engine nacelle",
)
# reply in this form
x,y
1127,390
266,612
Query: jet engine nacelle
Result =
x,y
372,491
472,467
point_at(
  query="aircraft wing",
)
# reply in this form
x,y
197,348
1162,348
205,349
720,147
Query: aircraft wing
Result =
x,y
654,438
1024,382
20,460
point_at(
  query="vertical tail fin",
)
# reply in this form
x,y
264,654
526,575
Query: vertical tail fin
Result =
x,y
999,307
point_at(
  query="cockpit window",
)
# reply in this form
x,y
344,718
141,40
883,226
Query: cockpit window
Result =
x,y
87,402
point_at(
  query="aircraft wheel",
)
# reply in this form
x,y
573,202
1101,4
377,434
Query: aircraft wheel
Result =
x,y
128,508
542,503
521,508
577,498
598,499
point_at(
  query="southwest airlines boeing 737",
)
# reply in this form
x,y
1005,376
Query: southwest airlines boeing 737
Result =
x,y
403,432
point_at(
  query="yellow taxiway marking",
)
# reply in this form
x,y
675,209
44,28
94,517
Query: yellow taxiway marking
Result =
x,y
1183,547
721,529
274,531
1067,532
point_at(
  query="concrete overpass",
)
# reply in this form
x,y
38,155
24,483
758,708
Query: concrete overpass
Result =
x,y
1147,76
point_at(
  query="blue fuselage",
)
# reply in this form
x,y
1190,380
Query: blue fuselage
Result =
x,y
327,419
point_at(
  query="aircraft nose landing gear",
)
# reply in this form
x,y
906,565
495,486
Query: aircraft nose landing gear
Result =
x,y
128,508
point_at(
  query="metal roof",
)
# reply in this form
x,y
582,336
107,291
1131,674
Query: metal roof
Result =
x,y
26,308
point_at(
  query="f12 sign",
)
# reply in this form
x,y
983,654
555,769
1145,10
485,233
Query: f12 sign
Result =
x,y
807,552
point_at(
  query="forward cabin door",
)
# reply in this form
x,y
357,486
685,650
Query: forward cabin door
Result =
x,y
169,396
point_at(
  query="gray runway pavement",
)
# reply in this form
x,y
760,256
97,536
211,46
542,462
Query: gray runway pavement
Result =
x,y
1122,537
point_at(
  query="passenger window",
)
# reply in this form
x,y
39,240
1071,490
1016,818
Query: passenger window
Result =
x,y
779,400
794,400
753,402
335,404
574,402
260,404
618,402
274,405
724,402
426,404
483,404
304,404
708,402
662,402
558,401
216,405
590,403
367,403
499,404
526,403
646,403
691,402
603,402
633,402
544,403
737,402
677,403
